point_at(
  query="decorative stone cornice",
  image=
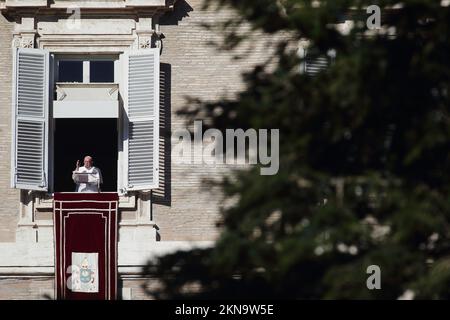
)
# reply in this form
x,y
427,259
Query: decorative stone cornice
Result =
x,y
15,9
85,26
83,4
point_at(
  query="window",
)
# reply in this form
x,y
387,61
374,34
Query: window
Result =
x,y
314,62
72,142
137,151
101,71
70,71
85,69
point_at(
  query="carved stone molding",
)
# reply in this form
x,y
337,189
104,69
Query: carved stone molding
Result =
x,y
100,25
104,4
145,42
25,33
144,32
27,41
17,8
16,42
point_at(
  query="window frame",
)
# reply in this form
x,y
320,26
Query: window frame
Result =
x,y
86,58
86,65
120,78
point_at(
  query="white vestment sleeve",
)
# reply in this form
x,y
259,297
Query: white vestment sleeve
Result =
x,y
75,176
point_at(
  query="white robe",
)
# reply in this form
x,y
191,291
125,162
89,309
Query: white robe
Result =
x,y
94,181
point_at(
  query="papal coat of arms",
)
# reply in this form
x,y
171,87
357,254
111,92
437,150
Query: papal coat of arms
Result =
x,y
84,276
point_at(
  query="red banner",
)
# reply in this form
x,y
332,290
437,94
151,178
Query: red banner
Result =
x,y
85,230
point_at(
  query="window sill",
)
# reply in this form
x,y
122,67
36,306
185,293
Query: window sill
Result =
x,y
45,203
97,91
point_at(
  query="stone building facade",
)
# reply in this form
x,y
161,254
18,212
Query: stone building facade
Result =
x,y
181,212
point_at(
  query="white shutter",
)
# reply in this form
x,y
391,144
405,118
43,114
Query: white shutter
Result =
x,y
141,126
315,63
30,119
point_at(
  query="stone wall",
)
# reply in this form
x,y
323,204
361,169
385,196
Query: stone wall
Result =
x,y
17,288
9,198
198,70
42,288
184,208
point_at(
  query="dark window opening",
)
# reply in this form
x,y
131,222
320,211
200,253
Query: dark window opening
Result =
x,y
76,138
101,71
70,71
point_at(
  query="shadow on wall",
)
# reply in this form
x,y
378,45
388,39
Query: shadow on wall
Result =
x,y
162,195
180,10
